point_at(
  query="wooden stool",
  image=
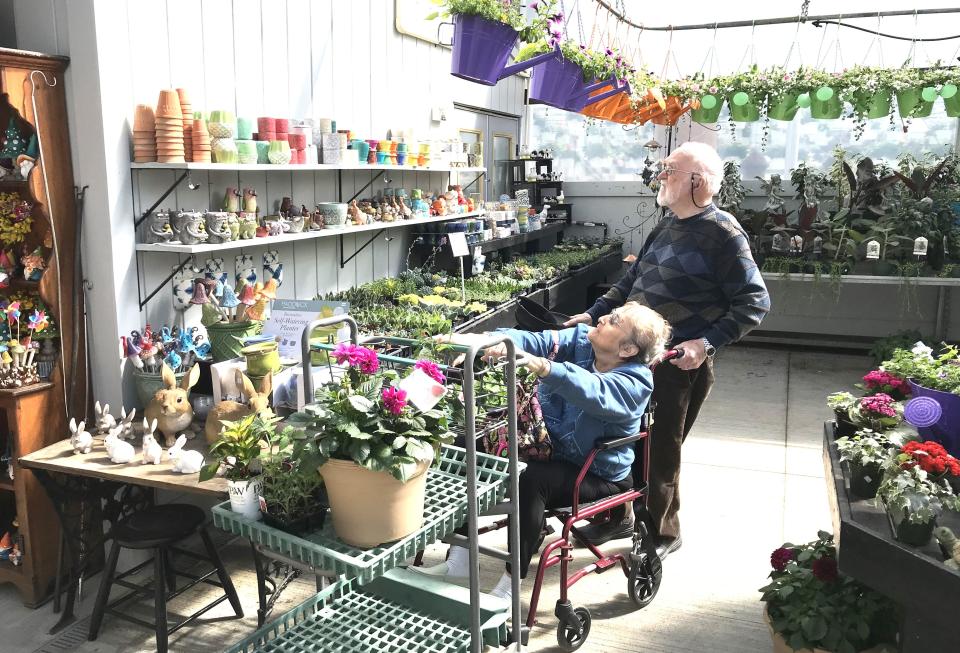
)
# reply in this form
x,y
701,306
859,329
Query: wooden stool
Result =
x,y
160,528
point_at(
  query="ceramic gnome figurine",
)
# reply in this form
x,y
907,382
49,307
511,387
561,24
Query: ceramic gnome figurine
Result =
x,y
159,229
218,227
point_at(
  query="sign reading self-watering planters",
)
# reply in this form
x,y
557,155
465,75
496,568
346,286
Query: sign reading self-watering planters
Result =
x,y
289,317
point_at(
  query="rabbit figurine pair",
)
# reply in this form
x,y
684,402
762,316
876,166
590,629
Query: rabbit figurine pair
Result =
x,y
105,421
257,402
184,462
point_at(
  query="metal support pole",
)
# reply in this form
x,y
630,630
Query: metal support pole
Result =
x,y
305,348
360,249
165,281
146,214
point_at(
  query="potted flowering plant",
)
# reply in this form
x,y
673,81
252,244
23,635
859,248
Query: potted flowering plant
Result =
x,y
915,488
879,412
784,88
486,31
841,403
746,94
372,445
882,381
236,453
864,454
915,90
824,98
811,606
291,495
868,90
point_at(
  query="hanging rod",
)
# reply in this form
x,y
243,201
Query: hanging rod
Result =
x,y
775,21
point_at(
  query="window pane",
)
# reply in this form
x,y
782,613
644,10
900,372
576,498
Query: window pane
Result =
x,y
588,150
502,146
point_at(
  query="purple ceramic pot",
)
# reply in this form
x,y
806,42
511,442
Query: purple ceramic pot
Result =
x,y
481,49
946,430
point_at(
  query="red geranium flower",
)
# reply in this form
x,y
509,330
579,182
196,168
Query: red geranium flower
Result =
x,y
781,557
825,569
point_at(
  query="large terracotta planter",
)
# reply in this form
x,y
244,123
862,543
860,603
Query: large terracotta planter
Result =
x,y
370,508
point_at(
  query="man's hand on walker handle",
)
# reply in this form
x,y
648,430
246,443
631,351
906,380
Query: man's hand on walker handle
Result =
x,y
694,353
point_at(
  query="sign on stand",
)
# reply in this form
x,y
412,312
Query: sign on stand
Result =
x,y
459,248
289,317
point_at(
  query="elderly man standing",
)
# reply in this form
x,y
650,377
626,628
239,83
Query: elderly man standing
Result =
x,y
697,271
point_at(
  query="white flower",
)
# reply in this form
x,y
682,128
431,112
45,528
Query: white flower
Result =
x,y
231,460
922,351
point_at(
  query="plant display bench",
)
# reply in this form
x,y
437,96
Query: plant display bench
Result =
x,y
374,604
916,578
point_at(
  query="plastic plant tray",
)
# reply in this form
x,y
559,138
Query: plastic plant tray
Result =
x,y
445,509
344,619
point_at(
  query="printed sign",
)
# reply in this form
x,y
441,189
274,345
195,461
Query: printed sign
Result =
x,y
290,317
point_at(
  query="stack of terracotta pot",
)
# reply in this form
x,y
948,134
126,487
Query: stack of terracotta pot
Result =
x,y
169,128
187,112
201,141
144,137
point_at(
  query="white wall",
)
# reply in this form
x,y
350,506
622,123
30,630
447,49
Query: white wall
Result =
x,y
293,58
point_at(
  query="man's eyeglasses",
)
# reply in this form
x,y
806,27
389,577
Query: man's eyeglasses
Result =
x,y
667,171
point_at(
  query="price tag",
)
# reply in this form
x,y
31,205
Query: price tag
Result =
x,y
458,244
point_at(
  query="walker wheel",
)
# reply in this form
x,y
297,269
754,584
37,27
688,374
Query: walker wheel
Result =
x,y
570,637
646,572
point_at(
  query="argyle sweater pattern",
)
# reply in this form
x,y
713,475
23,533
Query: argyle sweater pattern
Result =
x,y
699,274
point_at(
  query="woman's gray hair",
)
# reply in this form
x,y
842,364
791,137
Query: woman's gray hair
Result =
x,y
706,161
648,330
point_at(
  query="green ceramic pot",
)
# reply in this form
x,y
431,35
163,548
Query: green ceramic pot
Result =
x,y
226,338
709,111
743,108
148,383
910,103
262,358
951,99
785,108
825,104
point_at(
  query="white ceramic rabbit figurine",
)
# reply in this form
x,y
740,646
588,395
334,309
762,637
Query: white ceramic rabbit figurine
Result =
x,y
152,452
120,450
105,421
126,421
80,439
185,462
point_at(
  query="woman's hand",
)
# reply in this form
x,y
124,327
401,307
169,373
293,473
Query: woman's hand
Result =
x,y
579,318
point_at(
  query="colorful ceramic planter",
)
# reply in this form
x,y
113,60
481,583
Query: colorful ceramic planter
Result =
x,y
481,49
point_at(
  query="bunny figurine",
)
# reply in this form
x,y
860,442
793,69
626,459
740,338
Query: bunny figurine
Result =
x,y
80,439
185,462
105,421
126,421
152,452
170,406
120,450
257,402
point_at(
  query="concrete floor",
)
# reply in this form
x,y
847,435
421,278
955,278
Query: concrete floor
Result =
x,y
752,479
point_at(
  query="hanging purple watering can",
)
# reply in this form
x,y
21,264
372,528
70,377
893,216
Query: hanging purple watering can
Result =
x,y
554,81
581,97
481,49
936,414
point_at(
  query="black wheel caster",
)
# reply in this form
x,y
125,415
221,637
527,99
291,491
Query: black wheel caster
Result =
x,y
571,636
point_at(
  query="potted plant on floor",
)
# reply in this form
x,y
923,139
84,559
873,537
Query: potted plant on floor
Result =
x,y
865,453
812,607
372,444
236,454
916,488
841,403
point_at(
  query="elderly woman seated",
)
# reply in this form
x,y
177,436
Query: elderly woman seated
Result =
x,y
596,387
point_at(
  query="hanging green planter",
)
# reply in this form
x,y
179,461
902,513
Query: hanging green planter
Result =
x,y
825,104
916,102
951,100
785,108
872,105
709,111
743,108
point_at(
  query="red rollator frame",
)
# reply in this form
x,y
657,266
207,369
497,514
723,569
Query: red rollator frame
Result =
x,y
642,566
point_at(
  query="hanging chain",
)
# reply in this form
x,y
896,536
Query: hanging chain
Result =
x,y
804,10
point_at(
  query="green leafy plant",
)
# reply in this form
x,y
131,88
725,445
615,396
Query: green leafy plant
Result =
x,y
939,372
884,348
366,418
812,605
914,487
869,447
239,447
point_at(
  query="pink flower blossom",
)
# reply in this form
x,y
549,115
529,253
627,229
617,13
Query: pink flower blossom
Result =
x,y
394,400
353,356
879,404
431,369
888,383
346,353
367,361
714,89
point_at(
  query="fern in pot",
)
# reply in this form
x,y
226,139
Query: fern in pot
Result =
x,y
372,435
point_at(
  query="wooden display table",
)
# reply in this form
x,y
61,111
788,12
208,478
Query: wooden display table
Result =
x,y
916,578
87,489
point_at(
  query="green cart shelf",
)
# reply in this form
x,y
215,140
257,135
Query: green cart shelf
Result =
x,y
445,509
347,619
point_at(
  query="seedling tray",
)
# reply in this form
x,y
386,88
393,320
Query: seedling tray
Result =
x,y
445,509
346,619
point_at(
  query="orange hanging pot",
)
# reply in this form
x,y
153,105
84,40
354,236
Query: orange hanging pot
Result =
x,y
674,109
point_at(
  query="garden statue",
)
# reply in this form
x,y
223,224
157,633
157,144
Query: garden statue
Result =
x,y
353,212
732,190
34,264
286,205
159,228
950,544
218,227
295,223
316,220
810,184
773,188
405,210
249,201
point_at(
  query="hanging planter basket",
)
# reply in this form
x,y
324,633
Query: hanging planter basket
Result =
x,y
615,108
743,107
481,49
785,108
916,102
653,104
873,106
671,115
709,110
587,94
554,81
951,99
825,104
